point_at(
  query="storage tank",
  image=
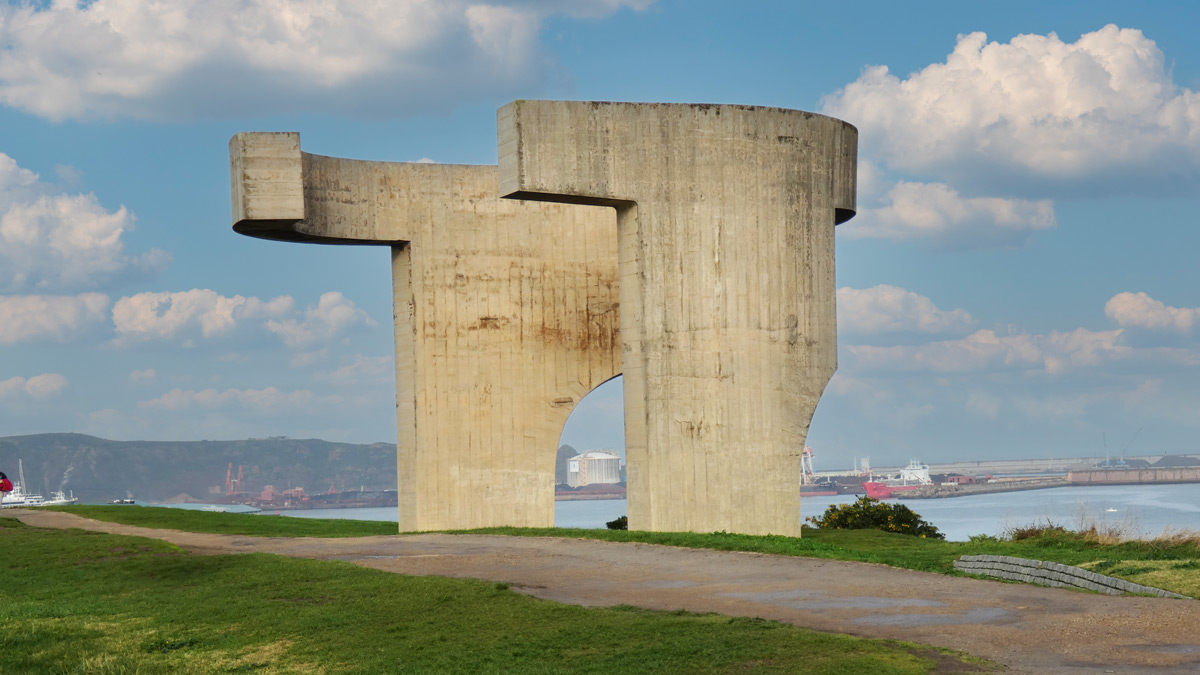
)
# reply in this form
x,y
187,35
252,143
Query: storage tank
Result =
x,y
594,466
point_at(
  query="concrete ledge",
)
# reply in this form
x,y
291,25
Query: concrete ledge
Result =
x,y
1046,573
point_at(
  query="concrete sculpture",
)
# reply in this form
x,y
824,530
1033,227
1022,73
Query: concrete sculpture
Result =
x,y
505,315
506,311
725,221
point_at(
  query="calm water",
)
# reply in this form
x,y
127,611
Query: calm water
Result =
x,y
1138,510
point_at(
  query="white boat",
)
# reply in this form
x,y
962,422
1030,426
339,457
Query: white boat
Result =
x,y
911,477
20,498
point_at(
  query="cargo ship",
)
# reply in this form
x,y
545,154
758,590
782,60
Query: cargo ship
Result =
x,y
352,499
911,477
822,489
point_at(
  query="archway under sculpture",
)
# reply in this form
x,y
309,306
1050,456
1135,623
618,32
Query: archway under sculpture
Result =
x,y
718,260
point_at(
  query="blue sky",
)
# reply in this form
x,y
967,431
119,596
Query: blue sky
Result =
x,y
1021,279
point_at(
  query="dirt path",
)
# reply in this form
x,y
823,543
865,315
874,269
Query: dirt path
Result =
x,y
1030,629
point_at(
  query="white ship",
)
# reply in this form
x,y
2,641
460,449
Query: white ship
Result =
x,y
911,477
19,497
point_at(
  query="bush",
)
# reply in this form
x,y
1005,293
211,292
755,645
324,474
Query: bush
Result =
x,y
1048,531
621,523
871,514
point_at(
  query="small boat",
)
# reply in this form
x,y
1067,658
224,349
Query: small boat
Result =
x,y
911,477
20,498
818,490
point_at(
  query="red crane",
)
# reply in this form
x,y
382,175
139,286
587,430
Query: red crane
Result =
x,y
232,488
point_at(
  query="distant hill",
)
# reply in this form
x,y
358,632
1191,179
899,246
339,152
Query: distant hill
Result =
x,y
99,470
565,452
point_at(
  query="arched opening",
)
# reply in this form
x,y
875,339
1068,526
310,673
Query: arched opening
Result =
x,y
596,424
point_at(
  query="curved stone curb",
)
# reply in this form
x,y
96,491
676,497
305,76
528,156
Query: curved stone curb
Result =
x,y
1046,573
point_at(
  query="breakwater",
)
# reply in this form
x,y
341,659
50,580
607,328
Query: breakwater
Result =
x,y
1012,485
1134,476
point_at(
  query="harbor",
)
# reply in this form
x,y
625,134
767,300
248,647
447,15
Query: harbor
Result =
x,y
1133,510
958,479
22,496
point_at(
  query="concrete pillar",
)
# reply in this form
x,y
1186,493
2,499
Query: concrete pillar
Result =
x,y
725,221
505,315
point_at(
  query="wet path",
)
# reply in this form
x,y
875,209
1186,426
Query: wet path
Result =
x,y
1029,629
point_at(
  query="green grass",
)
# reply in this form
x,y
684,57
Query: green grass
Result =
x,y
1167,562
897,550
246,524
1175,575
85,602
1040,542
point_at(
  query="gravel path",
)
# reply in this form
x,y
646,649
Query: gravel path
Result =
x,y
1029,629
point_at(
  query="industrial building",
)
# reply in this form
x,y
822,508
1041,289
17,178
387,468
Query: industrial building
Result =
x,y
595,466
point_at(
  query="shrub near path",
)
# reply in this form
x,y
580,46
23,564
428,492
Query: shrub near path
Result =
x,y
866,513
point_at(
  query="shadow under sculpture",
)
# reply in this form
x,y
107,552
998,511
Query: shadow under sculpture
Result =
x,y
505,315
725,222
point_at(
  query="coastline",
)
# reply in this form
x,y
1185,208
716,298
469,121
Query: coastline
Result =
x,y
587,496
947,491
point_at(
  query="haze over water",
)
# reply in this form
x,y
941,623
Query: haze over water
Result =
x,y
1136,510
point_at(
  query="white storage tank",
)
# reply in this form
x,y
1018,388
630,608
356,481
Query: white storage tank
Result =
x,y
594,466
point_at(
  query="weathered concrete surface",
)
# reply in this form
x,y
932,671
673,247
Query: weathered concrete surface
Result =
x,y
505,315
1029,629
725,226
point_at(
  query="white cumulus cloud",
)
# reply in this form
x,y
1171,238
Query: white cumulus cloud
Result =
x,y
1036,112
268,400
364,370
985,350
26,318
884,309
196,58
188,316
61,240
1142,311
146,375
155,315
937,211
38,387
333,316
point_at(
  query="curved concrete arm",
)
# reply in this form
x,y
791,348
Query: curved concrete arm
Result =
x,y
505,315
284,194
610,154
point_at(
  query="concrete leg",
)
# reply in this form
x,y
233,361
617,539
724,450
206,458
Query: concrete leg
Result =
x,y
505,315
725,228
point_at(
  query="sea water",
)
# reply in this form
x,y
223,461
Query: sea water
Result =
x,y
584,513
1133,510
